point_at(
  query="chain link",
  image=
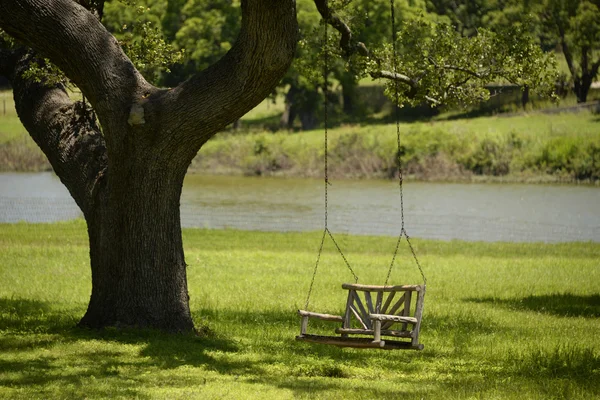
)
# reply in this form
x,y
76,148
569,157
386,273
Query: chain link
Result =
x,y
326,230
399,156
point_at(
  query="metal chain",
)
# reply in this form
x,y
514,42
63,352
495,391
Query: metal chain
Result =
x,y
343,256
399,157
326,173
415,257
312,281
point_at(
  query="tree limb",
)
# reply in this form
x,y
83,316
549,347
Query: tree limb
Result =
x,y
347,43
66,132
567,51
351,46
195,110
74,39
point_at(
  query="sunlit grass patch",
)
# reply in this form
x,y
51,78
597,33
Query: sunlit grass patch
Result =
x,y
502,320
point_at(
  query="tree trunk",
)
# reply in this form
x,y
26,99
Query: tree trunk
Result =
x,y
525,96
349,94
581,88
290,112
127,178
136,253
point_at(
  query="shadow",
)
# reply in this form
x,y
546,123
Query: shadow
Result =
x,y
25,315
559,304
64,361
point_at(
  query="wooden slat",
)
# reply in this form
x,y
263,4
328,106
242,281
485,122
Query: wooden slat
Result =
x,y
364,313
369,302
358,317
406,311
378,302
359,342
353,331
397,305
325,317
400,302
388,302
394,318
348,312
374,288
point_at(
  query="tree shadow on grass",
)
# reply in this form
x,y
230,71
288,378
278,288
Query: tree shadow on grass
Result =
x,y
559,304
63,361
41,348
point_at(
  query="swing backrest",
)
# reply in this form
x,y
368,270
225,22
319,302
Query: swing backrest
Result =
x,y
398,307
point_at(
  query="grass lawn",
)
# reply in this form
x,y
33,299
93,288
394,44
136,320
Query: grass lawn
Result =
x,y
504,321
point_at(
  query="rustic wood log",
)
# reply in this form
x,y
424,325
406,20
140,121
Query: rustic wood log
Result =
x,y
406,311
375,288
377,331
325,317
354,331
348,313
369,302
358,317
390,297
394,318
359,342
378,302
418,316
304,325
363,311
397,305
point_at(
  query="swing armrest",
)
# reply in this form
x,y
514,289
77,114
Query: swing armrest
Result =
x,y
325,317
394,318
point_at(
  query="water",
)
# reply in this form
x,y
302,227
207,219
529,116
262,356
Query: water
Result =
x,y
487,212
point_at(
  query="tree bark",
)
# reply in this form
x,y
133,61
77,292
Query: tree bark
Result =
x,y
136,253
127,177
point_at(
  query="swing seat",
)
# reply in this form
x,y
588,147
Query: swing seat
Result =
x,y
371,318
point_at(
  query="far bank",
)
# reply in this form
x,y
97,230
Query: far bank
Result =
x,y
531,148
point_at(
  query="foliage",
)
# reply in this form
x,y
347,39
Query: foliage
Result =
x,y
451,69
140,35
477,294
6,41
42,70
208,30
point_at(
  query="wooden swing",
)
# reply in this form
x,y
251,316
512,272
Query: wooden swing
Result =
x,y
384,317
371,311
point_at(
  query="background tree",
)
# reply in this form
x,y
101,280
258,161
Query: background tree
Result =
x,y
575,26
124,158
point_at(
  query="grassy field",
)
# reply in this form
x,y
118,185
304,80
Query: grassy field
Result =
x,y
502,321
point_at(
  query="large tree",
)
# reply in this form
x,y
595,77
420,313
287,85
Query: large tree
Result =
x,y
124,158
126,173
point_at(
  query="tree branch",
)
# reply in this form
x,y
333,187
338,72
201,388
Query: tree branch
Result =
x,y
195,110
347,43
351,46
74,39
473,74
66,132
567,51
394,76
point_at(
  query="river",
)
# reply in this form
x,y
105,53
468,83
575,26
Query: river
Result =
x,y
472,212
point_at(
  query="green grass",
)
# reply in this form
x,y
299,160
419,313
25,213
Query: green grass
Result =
x,y
504,321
